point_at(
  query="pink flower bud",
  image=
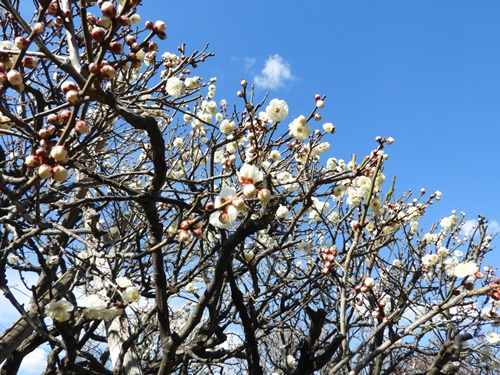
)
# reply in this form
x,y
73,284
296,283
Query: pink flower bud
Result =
x,y
130,39
68,86
43,133
98,34
82,127
264,195
14,77
39,28
369,282
184,235
41,153
64,116
94,68
104,22
3,77
73,97
21,42
59,153
250,191
45,171
115,47
108,9
108,72
29,62
53,119
238,203
364,289
160,26
32,161
376,314
60,173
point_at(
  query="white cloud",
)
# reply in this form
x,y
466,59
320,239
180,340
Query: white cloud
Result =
x,y
470,225
276,73
249,62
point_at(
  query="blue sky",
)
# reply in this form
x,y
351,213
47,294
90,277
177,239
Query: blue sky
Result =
x,y
424,72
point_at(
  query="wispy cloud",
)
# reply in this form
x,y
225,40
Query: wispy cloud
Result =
x,y
470,225
275,74
249,62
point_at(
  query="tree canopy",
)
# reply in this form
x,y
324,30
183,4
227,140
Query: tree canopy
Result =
x,y
158,228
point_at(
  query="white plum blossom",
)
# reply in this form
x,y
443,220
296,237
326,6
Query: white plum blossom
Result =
x,y
277,110
328,127
12,259
430,260
249,174
443,252
191,288
175,87
192,82
131,294
123,282
449,222
224,218
291,361
178,142
321,148
59,310
275,155
299,129
282,212
449,265
465,269
493,338
94,302
227,126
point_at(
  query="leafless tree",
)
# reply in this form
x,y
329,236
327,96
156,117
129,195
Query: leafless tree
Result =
x,y
172,233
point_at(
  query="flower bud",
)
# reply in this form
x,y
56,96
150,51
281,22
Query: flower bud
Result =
x,y
32,161
115,47
249,191
38,28
67,86
81,127
238,203
59,153
108,72
64,116
108,9
184,235
98,34
94,68
104,22
14,77
60,173
73,97
45,171
21,42
160,26
264,195
369,282
29,62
